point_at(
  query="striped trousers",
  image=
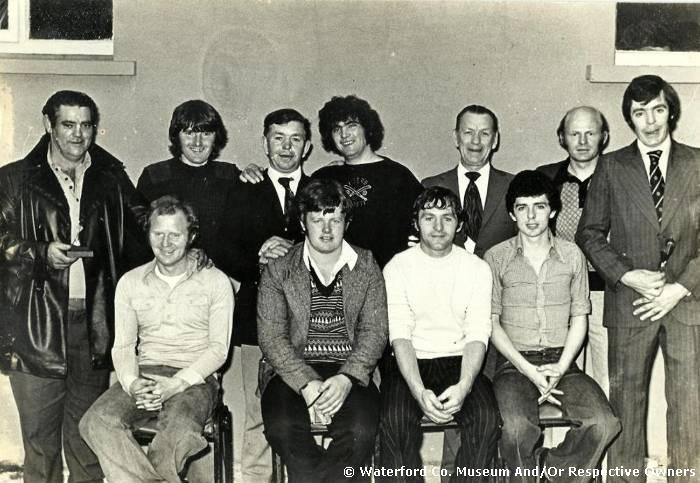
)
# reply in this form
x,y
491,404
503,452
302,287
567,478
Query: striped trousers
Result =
x,y
399,427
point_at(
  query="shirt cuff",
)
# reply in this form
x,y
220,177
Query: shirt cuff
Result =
x,y
189,376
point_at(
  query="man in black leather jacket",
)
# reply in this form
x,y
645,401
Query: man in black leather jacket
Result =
x,y
58,302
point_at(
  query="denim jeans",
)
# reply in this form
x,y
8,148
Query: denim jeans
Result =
x,y
582,400
107,429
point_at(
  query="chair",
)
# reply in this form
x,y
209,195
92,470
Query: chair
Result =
x,y
218,430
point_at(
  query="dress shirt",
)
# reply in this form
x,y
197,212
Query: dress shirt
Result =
x,y
347,256
439,304
664,147
73,190
279,189
535,308
482,184
187,327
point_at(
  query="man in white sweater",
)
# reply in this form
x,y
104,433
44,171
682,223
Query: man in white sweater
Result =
x,y
439,302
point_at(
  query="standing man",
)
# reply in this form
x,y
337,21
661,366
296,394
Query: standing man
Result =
x,y
540,305
479,185
261,224
481,189
583,132
641,198
173,327
197,135
67,191
381,190
323,326
439,303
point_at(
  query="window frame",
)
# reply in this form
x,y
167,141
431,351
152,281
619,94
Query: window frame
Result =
x,y
15,39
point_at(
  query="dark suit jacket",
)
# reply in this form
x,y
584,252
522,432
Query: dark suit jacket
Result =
x,y
619,230
284,309
496,225
253,214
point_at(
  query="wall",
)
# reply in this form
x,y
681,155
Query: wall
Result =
x,y
418,63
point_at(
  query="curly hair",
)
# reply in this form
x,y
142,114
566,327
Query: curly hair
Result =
x,y
349,108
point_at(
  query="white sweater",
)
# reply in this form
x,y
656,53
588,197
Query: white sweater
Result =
x,y
439,304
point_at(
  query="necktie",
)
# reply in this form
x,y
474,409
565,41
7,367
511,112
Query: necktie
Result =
x,y
472,207
656,182
288,199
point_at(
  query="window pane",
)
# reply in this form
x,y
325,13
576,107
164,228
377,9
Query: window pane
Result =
x,y
70,19
3,15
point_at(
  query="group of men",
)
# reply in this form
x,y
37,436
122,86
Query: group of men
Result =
x,y
496,258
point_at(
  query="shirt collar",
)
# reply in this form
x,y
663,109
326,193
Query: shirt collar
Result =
x,y
79,169
150,270
665,146
484,171
348,257
554,245
276,175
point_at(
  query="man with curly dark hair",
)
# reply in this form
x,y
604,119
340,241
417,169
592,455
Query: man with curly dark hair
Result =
x,y
381,190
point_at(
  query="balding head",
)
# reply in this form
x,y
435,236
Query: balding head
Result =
x,y
584,133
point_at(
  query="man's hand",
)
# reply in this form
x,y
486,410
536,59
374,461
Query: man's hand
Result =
x,y
657,307
200,258
142,392
167,387
553,373
57,257
274,247
540,376
311,394
453,397
335,390
252,174
432,407
647,283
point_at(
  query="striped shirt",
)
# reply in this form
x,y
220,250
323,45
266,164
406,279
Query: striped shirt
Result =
x,y
535,308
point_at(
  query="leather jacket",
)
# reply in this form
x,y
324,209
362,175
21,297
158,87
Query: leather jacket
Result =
x,y
34,296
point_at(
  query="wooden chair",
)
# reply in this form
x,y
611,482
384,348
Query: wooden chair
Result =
x,y
218,430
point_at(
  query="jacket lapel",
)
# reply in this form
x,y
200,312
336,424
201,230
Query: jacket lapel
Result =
x,y
353,290
635,183
451,182
300,291
494,193
677,179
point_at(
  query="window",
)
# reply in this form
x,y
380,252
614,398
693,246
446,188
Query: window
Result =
x,y
82,27
657,34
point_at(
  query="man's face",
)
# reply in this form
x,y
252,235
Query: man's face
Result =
x,y
349,138
650,120
475,140
168,236
196,146
583,135
325,230
532,214
285,146
436,230
72,134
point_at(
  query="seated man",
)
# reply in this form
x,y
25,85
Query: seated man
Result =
x,y
540,305
322,327
180,319
439,299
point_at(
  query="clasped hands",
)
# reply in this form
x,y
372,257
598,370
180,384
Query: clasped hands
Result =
x,y
151,391
545,378
658,296
325,398
441,408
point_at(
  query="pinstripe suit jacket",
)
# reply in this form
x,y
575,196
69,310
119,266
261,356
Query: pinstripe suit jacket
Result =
x,y
496,225
619,230
284,309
